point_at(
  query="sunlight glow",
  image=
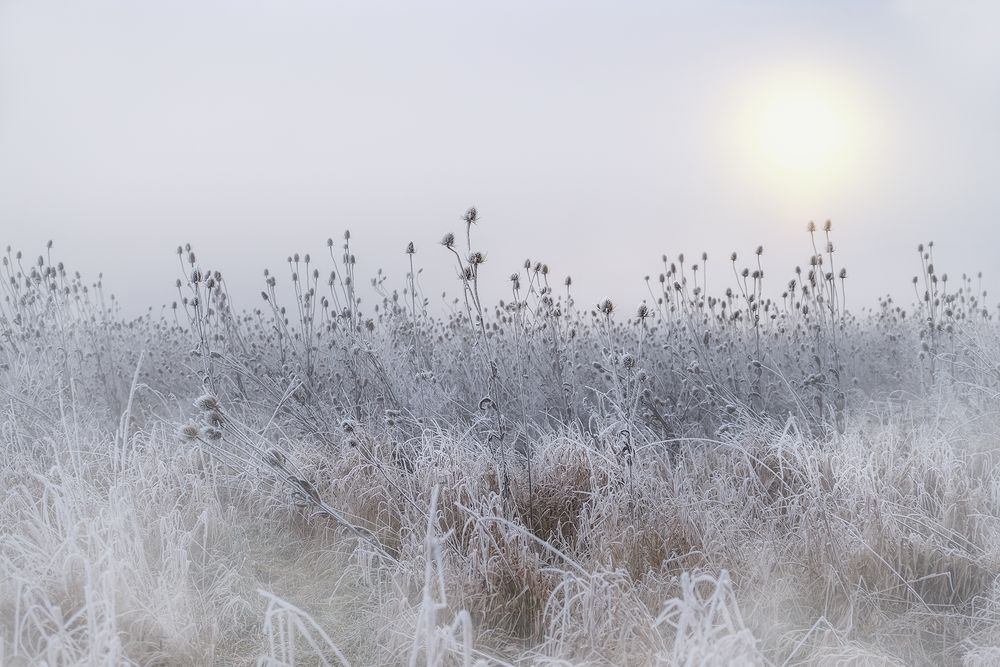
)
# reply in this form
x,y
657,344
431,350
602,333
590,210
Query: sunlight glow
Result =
x,y
804,135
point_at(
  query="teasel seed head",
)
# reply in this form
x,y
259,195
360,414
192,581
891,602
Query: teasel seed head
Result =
x,y
207,402
275,458
190,432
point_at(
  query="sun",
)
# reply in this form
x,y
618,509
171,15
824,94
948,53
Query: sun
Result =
x,y
805,134
801,131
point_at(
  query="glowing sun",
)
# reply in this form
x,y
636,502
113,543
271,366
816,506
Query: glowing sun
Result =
x,y
804,134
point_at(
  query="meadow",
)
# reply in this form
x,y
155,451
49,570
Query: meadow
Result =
x,y
736,468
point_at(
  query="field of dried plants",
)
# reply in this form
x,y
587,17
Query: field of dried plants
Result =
x,y
352,472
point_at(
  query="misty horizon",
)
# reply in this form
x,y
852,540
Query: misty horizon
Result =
x,y
593,140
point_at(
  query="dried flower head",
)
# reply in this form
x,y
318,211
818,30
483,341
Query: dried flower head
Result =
x,y
213,418
274,458
208,402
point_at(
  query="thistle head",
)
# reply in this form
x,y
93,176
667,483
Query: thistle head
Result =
x,y
208,402
275,458
213,418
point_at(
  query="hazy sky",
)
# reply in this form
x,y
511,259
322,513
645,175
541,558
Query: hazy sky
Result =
x,y
592,136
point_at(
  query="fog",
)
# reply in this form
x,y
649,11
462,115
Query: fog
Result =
x,y
591,136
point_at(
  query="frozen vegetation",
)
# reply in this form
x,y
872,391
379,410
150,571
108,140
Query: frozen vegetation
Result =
x,y
751,475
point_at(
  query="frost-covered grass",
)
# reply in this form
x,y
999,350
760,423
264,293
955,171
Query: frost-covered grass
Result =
x,y
748,478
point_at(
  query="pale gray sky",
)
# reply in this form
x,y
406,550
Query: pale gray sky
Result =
x,y
592,136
